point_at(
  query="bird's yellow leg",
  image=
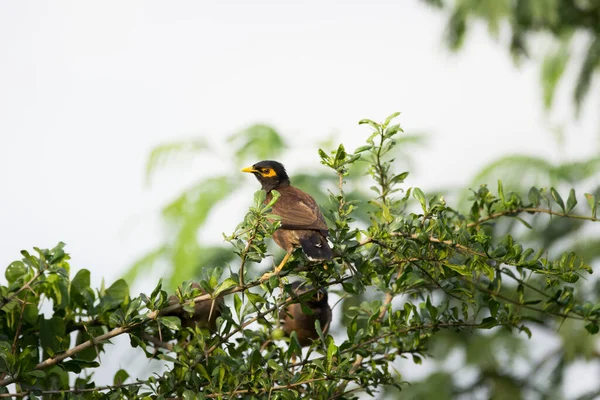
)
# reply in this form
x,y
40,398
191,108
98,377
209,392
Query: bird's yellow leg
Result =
x,y
278,269
282,263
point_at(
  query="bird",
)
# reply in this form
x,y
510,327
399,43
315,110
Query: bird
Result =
x,y
302,222
294,319
205,313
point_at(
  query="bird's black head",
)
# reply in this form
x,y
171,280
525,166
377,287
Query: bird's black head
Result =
x,y
317,299
270,174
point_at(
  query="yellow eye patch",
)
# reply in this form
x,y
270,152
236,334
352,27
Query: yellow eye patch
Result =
x,y
268,172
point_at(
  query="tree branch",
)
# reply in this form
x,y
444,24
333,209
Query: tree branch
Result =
x,y
516,211
150,317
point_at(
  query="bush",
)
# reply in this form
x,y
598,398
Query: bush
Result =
x,y
426,270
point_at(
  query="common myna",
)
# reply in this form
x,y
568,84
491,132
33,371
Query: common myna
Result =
x,y
205,313
302,223
293,317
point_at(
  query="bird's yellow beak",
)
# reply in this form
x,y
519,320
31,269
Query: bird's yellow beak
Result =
x,y
250,170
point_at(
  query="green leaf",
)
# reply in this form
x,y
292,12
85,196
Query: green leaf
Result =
x,y
360,149
325,159
173,323
259,197
390,118
592,328
30,314
226,284
53,335
553,68
58,254
493,306
36,374
255,298
571,201
202,371
399,178
340,156
591,199
81,292
15,271
331,351
120,377
535,197
557,198
116,294
275,195
420,196
77,365
81,281
274,365
501,191
461,269
488,322
369,122
499,252
237,304
588,68
190,395
157,289
521,220
133,308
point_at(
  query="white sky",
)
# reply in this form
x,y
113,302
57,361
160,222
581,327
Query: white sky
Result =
x,y
88,88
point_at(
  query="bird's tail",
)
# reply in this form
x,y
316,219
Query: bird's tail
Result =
x,y
316,247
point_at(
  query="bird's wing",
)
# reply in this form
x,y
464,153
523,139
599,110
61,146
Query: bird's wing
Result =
x,y
298,210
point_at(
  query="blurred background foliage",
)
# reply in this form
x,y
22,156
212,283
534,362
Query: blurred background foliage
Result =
x,y
182,251
462,364
572,27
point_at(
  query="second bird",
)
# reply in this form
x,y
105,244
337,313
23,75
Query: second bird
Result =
x,y
302,223
294,319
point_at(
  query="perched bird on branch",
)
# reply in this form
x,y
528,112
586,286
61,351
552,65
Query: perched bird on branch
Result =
x,y
293,318
205,313
302,223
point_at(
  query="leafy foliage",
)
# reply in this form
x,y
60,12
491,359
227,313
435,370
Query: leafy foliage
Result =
x,y
417,278
185,217
565,21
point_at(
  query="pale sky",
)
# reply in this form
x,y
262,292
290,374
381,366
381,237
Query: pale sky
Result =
x,y
87,89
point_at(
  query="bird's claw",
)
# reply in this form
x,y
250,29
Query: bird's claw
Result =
x,y
266,276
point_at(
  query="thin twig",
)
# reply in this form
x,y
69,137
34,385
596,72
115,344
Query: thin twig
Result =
x,y
121,330
246,250
399,332
74,390
18,332
268,311
157,342
516,211
516,303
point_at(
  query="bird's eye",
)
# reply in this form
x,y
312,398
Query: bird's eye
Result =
x,y
268,172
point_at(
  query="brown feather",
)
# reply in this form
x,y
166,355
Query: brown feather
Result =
x,y
302,222
298,210
293,318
